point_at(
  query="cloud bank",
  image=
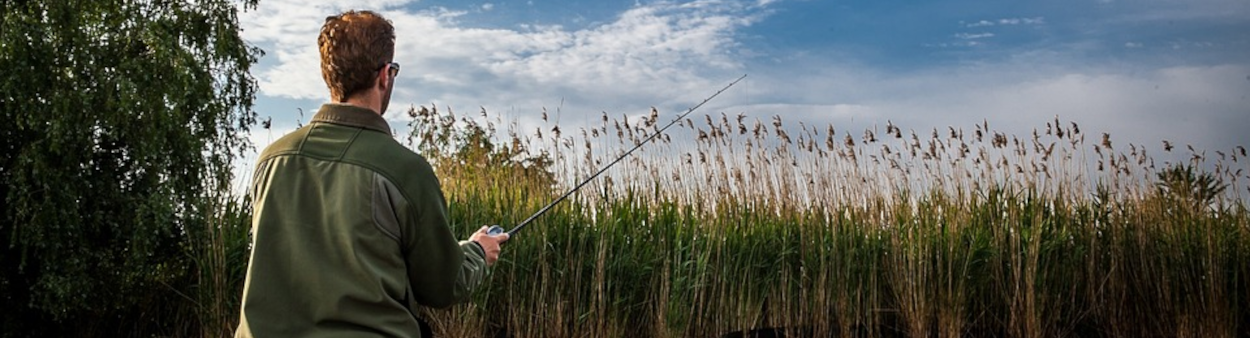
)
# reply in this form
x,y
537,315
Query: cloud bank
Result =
x,y
672,54
649,52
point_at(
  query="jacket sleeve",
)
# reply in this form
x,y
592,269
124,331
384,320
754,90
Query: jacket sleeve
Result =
x,y
442,270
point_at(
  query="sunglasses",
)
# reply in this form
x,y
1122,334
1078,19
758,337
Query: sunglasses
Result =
x,y
394,68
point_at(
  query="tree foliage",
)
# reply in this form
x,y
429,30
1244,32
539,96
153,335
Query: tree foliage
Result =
x,y
463,149
1190,188
120,119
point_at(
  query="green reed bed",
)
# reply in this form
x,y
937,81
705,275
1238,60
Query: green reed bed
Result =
x,y
827,234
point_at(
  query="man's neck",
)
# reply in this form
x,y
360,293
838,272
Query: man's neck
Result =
x,y
365,101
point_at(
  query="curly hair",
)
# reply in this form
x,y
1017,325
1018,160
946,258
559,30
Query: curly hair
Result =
x,y
354,46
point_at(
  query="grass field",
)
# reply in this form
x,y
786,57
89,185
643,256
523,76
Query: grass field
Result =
x,y
733,223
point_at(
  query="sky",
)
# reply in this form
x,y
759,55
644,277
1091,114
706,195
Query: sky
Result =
x,y
1141,70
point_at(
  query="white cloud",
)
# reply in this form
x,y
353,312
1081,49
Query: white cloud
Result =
x,y
974,36
650,52
287,21
1007,22
982,23
1022,21
287,29
488,6
1202,106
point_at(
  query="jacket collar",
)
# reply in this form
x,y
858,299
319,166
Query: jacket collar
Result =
x,y
349,115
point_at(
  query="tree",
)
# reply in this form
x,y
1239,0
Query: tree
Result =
x,y
1190,189
464,150
120,118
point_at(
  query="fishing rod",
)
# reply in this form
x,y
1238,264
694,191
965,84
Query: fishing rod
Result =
x,y
496,230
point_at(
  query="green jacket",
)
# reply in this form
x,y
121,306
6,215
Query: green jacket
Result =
x,y
349,235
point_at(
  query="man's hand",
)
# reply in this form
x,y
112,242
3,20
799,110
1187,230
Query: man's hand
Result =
x,y
490,244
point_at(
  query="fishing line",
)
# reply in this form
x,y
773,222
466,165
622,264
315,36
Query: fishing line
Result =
x,y
496,230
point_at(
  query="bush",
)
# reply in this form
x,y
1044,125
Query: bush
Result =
x,y
121,123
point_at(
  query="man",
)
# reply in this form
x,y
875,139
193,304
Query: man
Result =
x,y
349,231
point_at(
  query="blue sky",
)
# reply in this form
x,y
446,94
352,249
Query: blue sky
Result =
x,y
1141,70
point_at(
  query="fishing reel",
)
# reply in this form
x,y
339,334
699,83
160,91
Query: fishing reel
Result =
x,y
495,230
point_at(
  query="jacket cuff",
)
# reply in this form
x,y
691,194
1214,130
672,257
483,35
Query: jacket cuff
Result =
x,y
478,246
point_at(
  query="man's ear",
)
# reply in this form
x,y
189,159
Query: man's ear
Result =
x,y
383,80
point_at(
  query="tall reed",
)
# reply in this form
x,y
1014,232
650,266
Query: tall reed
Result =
x,y
733,223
